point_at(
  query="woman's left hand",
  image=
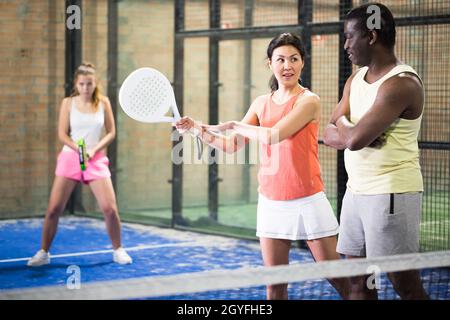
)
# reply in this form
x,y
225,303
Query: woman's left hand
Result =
x,y
90,154
229,125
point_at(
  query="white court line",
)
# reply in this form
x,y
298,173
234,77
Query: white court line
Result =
x,y
137,248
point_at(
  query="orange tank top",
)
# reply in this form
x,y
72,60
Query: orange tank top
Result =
x,y
289,169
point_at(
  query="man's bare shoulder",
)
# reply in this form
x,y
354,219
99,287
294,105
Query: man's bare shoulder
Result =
x,y
403,82
404,89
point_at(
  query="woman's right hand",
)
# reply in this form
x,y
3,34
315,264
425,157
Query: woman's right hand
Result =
x,y
185,124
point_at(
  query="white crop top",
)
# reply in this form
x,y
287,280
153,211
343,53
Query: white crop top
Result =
x,y
86,125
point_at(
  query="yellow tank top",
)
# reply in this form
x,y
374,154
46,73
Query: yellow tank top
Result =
x,y
394,168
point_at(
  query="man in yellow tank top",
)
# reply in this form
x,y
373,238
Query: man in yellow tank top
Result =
x,y
377,122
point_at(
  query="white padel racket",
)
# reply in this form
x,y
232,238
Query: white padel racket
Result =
x,y
146,95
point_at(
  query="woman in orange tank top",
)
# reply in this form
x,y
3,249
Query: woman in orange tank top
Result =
x,y
291,204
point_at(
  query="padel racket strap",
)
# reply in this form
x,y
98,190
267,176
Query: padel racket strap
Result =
x,y
199,147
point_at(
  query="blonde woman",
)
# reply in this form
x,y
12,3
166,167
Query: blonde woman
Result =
x,y
83,115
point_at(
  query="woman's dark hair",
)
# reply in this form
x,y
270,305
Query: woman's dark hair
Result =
x,y
386,34
284,39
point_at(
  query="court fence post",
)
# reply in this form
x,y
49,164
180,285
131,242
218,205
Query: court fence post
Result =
x,y
73,58
112,82
213,169
345,71
178,84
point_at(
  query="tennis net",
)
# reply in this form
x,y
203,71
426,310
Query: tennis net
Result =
x,y
306,281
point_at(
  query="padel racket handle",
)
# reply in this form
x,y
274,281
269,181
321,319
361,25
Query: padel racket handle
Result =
x,y
82,153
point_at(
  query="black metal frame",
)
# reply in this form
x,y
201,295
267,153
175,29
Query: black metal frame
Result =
x,y
345,70
112,81
248,22
307,28
73,58
178,83
213,168
215,35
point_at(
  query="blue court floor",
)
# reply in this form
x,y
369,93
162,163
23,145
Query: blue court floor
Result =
x,y
155,251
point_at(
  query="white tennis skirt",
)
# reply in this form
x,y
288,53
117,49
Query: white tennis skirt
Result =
x,y
304,218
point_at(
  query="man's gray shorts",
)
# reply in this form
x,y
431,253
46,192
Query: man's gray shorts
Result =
x,y
379,225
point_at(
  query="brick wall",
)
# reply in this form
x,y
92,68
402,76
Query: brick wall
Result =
x,y
32,64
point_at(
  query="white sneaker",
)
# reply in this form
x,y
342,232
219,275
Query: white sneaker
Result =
x,y
40,258
120,256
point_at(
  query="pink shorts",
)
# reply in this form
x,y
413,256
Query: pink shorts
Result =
x,y
68,165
